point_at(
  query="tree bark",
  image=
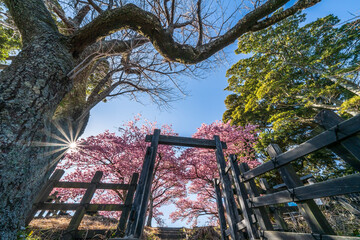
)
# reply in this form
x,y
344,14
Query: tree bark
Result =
x,y
30,90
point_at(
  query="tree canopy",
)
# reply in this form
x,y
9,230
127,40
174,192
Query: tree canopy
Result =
x,y
292,71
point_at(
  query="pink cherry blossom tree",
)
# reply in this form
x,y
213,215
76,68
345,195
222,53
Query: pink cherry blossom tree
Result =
x,y
119,156
201,168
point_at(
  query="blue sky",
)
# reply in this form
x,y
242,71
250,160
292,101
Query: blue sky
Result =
x,y
205,102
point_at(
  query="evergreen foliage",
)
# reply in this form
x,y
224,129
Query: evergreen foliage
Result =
x,y
290,73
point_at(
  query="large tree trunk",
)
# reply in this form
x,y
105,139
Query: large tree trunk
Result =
x,y
30,90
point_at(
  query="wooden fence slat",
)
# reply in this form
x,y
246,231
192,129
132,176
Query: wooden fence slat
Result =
x,y
308,209
349,149
335,134
220,208
110,186
275,210
261,214
333,187
128,203
147,188
44,193
231,208
242,199
75,206
274,235
81,210
186,142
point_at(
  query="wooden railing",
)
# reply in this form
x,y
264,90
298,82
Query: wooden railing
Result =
x,y
252,221
84,206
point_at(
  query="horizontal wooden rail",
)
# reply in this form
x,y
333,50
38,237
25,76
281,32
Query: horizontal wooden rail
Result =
x,y
186,142
275,235
75,206
113,186
338,186
303,178
335,134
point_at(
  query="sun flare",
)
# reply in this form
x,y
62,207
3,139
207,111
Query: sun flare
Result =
x,y
72,145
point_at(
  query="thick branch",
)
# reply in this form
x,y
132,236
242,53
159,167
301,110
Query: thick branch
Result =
x,y
147,24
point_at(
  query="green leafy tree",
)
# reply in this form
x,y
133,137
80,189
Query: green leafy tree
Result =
x,y
9,38
293,72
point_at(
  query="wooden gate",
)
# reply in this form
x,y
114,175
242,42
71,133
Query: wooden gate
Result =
x,y
137,217
252,220
42,203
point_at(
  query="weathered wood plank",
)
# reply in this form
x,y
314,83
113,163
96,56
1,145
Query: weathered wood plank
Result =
x,y
242,196
44,193
186,142
334,187
134,214
220,208
147,188
342,131
349,149
308,209
275,211
302,178
112,186
274,235
81,210
231,208
128,203
261,214
75,206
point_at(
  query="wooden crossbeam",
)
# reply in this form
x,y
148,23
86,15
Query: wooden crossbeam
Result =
x,y
338,186
302,178
186,142
112,186
74,206
335,134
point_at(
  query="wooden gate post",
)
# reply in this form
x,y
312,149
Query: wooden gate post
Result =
x,y
308,208
231,208
134,213
142,195
127,205
220,208
242,198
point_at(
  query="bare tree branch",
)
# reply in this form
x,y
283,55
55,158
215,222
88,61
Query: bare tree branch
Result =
x,y
199,43
149,25
81,15
95,6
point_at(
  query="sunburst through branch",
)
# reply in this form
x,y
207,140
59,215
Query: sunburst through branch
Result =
x,y
61,141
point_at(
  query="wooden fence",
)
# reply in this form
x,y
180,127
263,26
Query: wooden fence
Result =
x,y
252,220
42,202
